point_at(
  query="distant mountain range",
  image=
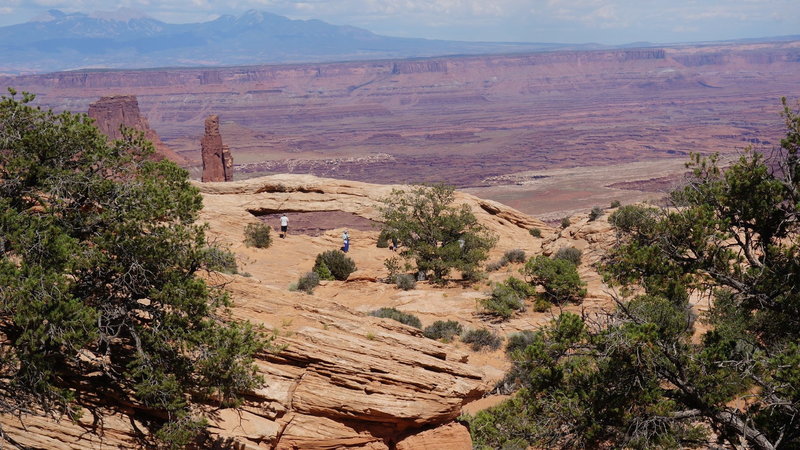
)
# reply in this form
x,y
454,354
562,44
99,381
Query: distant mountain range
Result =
x,y
58,41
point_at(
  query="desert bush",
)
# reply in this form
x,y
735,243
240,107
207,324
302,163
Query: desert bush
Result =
x,y
393,265
257,235
443,330
519,341
308,282
558,277
565,222
337,263
395,314
323,272
481,338
514,256
405,281
220,260
496,265
535,232
570,254
383,239
541,304
508,297
616,204
503,302
521,287
634,219
595,213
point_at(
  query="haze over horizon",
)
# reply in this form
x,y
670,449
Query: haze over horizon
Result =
x,y
610,22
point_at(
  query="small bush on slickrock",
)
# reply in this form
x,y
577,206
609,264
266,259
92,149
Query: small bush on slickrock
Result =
x,y
519,341
308,282
337,262
558,277
443,330
383,239
405,282
507,297
515,256
535,232
257,235
570,254
595,213
220,260
481,338
400,316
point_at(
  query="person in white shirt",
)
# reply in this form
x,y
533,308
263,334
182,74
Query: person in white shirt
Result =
x,y
284,225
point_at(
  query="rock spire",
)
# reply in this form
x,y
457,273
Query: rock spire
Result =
x,y
217,159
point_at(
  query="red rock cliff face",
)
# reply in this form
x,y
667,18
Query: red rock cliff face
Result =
x,y
217,159
111,113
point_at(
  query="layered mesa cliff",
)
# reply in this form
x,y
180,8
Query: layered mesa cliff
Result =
x,y
463,120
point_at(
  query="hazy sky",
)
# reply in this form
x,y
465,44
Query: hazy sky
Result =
x,y
567,21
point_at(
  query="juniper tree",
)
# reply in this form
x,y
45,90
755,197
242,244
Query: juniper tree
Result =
x,y
437,234
99,278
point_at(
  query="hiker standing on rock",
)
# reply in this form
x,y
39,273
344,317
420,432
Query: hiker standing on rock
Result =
x,y
284,225
345,241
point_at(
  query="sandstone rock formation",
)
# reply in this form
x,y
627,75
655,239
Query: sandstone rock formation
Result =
x,y
217,159
344,379
111,113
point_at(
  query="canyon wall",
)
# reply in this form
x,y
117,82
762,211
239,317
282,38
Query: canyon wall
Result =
x,y
463,120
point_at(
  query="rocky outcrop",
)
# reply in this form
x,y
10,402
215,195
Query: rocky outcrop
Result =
x,y
113,112
217,159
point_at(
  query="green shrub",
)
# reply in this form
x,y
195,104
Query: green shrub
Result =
x,y
519,341
257,235
502,302
634,219
521,287
400,316
535,232
595,213
565,222
559,278
570,254
337,262
514,256
481,338
541,304
405,282
443,330
496,265
308,282
383,239
393,266
616,204
323,272
220,260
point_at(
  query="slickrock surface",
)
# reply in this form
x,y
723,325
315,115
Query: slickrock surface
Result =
x,y
217,159
112,112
